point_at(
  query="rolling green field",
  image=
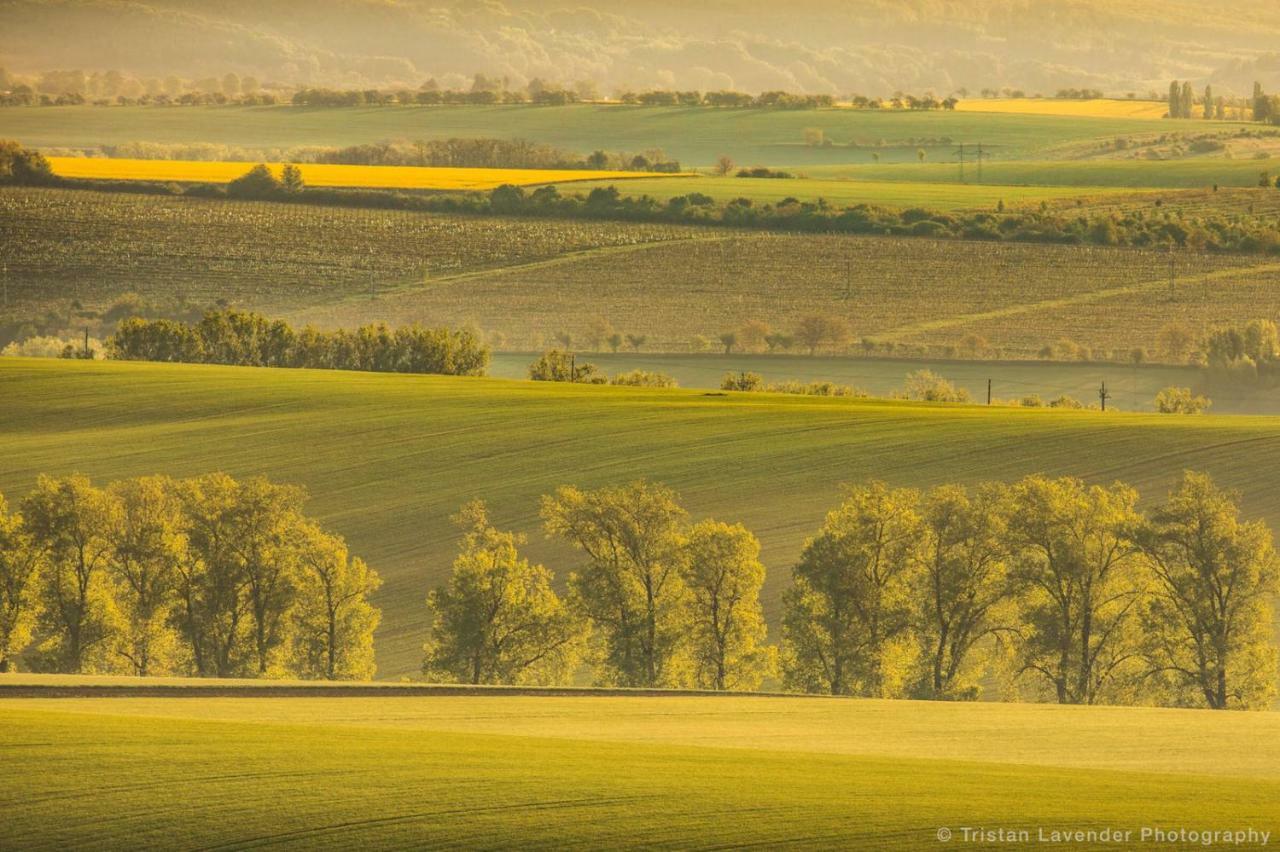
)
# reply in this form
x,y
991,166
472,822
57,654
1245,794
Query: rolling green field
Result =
x,y
694,136
388,458
1132,388
843,192
528,279
1194,173
602,772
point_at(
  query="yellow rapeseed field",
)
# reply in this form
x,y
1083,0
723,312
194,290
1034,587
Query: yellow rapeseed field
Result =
x,y
370,177
1095,108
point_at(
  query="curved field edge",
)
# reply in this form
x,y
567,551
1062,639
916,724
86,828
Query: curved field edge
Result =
x,y
100,779
387,459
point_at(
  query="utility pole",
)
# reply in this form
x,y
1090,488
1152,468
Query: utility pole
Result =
x,y
988,391
1104,395
961,152
87,353
573,367
980,155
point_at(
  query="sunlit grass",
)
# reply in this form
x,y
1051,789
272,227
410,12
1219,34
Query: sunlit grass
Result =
x,y
338,773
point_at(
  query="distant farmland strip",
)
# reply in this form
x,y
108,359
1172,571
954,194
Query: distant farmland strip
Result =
x,y
1082,108
59,245
366,177
913,291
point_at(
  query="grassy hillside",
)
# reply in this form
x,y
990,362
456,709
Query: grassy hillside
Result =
x,y
529,279
693,136
595,773
389,458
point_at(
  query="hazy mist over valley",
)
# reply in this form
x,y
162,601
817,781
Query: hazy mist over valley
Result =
x,y
815,46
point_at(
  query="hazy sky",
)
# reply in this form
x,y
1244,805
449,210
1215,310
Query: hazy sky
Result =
x,y
871,46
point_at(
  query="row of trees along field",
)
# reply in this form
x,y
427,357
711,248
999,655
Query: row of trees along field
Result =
x,y
249,339
1260,107
208,576
1049,588
104,88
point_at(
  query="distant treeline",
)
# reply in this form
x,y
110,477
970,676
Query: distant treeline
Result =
x,y
486,153
75,87
458,152
1184,102
24,96
249,339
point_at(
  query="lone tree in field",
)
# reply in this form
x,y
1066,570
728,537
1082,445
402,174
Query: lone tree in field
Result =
x,y
21,564
724,165
291,179
723,574
497,619
557,366
1082,586
70,518
631,587
728,340
1173,400
753,336
815,331
928,386
599,330
1208,621
258,182
1176,340
962,589
847,613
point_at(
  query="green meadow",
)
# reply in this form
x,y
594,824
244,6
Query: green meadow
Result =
x,y
388,458
1098,174
696,136
844,192
1132,387
582,772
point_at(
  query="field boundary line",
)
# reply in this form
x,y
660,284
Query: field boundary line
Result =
x,y
420,283
1078,299
390,690
569,257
